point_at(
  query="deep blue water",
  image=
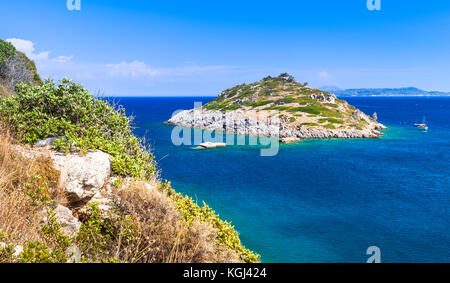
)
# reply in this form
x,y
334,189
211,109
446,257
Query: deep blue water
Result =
x,y
323,200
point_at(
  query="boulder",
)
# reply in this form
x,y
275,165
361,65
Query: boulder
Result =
x,y
47,142
73,254
71,225
82,176
290,140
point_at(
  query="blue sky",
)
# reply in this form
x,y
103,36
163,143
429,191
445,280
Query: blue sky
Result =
x,y
179,48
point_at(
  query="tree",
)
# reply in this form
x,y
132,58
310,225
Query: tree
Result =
x,y
6,50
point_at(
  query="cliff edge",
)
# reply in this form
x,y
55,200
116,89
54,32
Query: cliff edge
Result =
x,y
76,185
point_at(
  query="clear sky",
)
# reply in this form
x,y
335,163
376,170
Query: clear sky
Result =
x,y
179,48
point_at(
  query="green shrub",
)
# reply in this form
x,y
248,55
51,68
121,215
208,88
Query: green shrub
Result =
x,y
31,67
96,236
330,120
329,126
6,50
258,103
86,123
305,109
285,100
310,124
15,67
232,107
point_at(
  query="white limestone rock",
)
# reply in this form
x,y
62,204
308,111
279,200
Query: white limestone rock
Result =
x,y
82,176
71,225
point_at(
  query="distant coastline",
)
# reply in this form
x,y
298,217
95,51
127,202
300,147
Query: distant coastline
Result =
x,y
384,92
399,95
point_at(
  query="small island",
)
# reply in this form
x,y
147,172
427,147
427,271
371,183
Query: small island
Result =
x,y
303,112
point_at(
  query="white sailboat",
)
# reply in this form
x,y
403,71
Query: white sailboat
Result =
x,y
422,126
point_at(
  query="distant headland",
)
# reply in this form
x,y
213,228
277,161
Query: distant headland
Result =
x,y
404,91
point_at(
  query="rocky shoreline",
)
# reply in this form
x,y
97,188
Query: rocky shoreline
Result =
x,y
239,122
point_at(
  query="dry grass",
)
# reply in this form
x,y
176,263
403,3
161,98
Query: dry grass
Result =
x,y
3,91
150,229
144,227
19,219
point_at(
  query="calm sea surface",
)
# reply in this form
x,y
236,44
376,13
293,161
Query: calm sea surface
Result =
x,y
323,200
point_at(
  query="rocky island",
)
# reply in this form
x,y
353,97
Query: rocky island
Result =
x,y
303,112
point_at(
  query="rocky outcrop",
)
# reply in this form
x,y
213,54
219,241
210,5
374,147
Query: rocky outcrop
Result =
x,y
70,224
82,177
241,123
280,107
47,142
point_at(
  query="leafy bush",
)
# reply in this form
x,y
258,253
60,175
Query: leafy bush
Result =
x,y
31,67
41,252
258,103
331,120
310,124
16,67
305,109
6,50
85,123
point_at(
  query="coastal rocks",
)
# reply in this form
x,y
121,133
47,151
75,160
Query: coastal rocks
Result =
x,y
260,124
73,254
375,116
47,142
103,199
359,115
70,224
233,122
330,98
290,140
82,176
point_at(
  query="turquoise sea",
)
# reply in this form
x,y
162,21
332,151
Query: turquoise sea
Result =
x,y
323,200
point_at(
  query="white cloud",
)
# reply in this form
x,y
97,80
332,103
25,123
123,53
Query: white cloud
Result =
x,y
133,69
137,69
27,47
63,59
114,77
324,75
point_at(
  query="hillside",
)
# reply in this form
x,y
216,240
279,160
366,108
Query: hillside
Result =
x,y
15,67
77,186
304,112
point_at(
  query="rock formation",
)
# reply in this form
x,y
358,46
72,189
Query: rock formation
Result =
x,y
283,108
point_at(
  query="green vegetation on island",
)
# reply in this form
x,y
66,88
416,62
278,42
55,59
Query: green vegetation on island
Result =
x,y
296,102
